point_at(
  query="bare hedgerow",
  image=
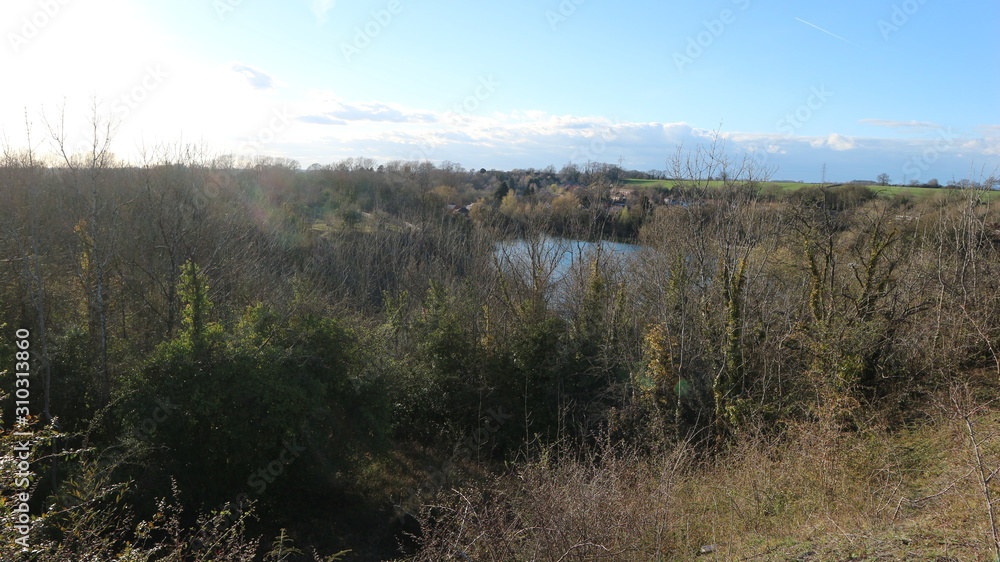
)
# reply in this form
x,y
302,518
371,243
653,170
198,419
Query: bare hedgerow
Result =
x,y
609,504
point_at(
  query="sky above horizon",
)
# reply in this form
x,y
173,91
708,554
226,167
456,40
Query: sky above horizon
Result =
x,y
858,88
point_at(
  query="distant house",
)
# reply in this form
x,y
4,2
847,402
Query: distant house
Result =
x,y
460,209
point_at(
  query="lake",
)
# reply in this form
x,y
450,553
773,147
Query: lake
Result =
x,y
558,261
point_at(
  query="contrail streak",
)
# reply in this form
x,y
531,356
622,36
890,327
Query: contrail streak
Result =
x,y
825,31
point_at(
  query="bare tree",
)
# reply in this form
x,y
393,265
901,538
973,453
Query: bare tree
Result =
x,y
88,175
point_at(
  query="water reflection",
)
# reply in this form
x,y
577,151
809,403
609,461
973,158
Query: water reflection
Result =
x,y
554,265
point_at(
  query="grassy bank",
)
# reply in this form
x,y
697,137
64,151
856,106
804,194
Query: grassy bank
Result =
x,y
814,492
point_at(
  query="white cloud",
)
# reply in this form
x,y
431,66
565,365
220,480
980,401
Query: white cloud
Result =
x,y
375,111
840,142
902,126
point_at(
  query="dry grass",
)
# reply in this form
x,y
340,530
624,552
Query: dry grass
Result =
x,y
815,493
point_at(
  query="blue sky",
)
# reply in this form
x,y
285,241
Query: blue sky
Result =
x,y
909,88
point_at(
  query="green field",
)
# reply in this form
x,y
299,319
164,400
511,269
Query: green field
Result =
x,y
885,190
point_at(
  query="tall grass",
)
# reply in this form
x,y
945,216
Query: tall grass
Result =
x,y
812,493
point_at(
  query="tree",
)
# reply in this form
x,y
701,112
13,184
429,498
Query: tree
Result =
x,y
446,194
564,206
502,190
193,291
266,387
709,279
508,205
570,173
89,174
883,179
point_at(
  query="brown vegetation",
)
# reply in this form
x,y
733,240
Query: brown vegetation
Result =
x,y
224,352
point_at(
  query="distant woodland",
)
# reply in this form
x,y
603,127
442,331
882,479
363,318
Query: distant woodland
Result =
x,y
239,359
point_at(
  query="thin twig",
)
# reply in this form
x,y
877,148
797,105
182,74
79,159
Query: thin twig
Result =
x,y
984,482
